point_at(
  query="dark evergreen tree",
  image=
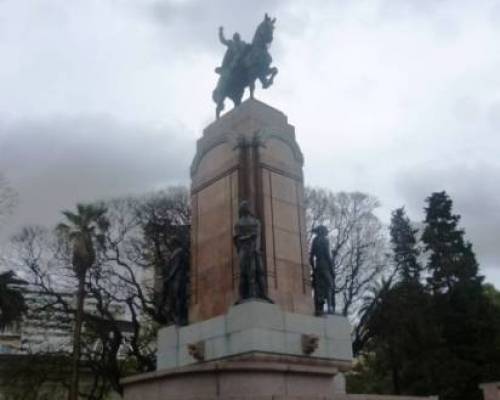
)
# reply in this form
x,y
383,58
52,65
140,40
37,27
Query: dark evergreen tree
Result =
x,y
464,316
435,339
395,320
451,259
396,332
404,246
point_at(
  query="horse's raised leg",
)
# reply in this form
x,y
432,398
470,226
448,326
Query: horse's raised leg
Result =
x,y
251,86
219,108
237,96
274,72
266,82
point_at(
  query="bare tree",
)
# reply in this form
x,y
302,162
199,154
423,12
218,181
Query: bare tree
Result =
x,y
120,327
357,239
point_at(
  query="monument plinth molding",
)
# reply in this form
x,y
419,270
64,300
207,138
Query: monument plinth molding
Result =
x,y
255,351
248,154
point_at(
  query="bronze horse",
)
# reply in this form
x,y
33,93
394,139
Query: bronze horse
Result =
x,y
253,63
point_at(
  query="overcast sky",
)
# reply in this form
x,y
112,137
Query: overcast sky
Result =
x,y
396,98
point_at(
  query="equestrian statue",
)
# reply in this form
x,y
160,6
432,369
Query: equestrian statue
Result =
x,y
243,64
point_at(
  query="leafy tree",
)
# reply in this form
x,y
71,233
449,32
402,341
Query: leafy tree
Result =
x,y
492,294
464,316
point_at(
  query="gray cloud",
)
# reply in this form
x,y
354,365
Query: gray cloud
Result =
x,y
193,21
393,97
54,163
476,196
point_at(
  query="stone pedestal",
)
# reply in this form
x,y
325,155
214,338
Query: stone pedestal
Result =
x,y
254,351
249,154
251,376
257,327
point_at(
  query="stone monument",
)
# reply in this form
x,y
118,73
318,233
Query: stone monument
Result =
x,y
252,330
250,155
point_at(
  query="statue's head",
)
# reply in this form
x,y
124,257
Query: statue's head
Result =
x,y
244,208
320,230
269,20
236,37
269,24
264,32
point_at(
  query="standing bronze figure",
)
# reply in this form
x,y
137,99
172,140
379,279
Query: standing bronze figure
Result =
x,y
175,285
243,64
323,277
247,242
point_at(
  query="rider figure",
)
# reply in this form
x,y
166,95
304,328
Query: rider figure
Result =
x,y
234,53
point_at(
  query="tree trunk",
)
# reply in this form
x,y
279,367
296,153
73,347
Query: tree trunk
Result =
x,y
395,380
75,373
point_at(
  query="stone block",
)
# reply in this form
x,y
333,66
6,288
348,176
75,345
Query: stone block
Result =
x,y
190,334
305,384
337,327
254,314
213,195
262,340
272,341
212,225
283,188
167,358
213,327
255,384
293,342
240,342
287,246
339,349
216,158
307,324
280,154
168,336
198,387
339,383
217,347
142,391
286,216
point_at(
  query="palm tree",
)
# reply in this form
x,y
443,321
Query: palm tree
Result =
x,y
12,304
84,229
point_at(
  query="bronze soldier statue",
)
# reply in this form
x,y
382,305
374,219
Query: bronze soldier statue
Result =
x,y
175,285
247,242
323,277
